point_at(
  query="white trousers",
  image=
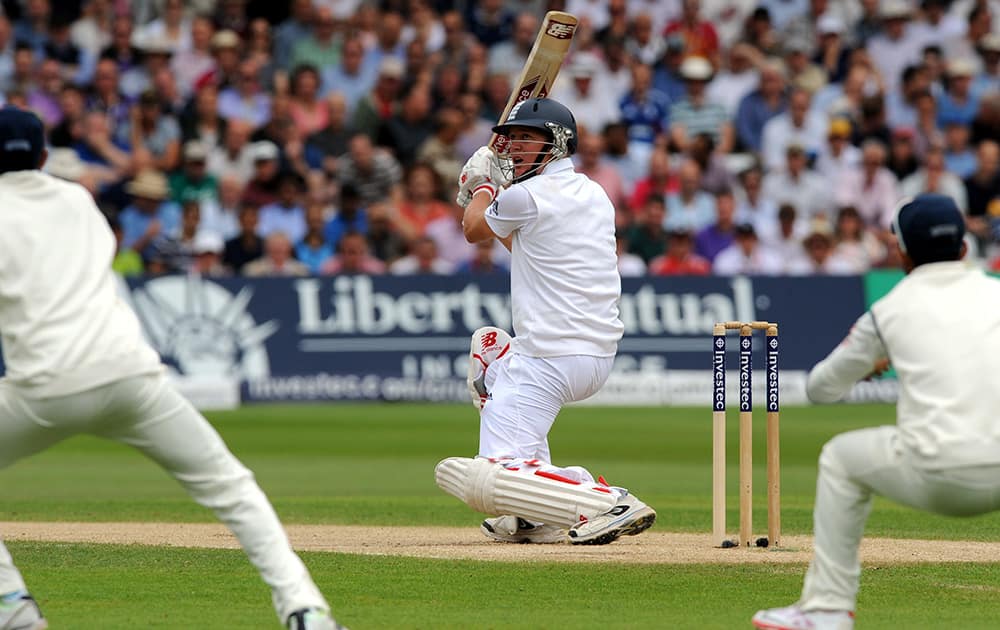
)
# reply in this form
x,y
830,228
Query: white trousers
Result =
x,y
147,413
855,466
526,394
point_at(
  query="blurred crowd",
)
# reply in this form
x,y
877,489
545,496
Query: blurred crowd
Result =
x,y
306,137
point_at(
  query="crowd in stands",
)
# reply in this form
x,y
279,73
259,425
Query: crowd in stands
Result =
x,y
321,137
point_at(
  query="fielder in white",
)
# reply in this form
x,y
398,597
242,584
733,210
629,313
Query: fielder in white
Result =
x,y
76,362
565,287
940,328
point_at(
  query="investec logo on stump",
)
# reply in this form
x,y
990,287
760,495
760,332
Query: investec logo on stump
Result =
x,y
356,308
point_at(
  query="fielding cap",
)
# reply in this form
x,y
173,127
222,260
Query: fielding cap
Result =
x,y
930,228
22,140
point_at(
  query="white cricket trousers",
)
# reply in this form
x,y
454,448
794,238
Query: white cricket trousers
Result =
x,y
526,394
855,466
146,412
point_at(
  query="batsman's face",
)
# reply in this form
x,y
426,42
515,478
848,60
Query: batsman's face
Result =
x,y
526,144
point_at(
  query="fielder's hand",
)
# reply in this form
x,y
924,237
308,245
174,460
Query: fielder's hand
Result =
x,y
481,172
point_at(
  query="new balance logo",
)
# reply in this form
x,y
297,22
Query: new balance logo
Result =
x,y
560,31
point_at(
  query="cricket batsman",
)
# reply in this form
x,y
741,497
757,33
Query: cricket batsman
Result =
x,y
940,327
565,287
77,362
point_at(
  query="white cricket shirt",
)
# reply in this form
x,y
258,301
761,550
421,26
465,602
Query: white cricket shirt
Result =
x,y
940,328
63,327
564,280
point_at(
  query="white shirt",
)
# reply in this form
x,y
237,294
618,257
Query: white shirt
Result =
x,y
940,327
564,280
63,326
780,131
761,261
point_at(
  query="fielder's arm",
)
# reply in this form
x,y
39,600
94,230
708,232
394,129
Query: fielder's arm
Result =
x,y
859,356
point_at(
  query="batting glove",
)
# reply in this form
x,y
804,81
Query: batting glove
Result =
x,y
481,172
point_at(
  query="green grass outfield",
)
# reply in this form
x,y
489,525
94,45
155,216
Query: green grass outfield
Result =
x,y
373,464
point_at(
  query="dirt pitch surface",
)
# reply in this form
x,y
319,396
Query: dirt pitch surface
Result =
x,y
652,547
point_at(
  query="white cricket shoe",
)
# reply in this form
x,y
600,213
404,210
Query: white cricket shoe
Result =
x,y
312,619
794,618
628,517
517,530
19,611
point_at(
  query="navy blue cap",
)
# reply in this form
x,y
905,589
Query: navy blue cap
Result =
x,y
22,140
930,228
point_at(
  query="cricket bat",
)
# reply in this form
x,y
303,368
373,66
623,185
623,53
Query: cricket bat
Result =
x,y
541,68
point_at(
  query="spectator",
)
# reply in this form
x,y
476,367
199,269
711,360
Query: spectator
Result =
x,y
127,261
457,41
855,243
902,160
246,100
351,78
798,185
798,125
490,22
580,90
307,112
245,246
629,167
716,174
200,119
735,81
91,33
979,24
381,102
108,100
206,251
751,204
959,157
277,259
388,42
647,237
988,80
375,174
644,45
933,177
259,49
172,253
696,114
871,188
483,259
700,37
746,257
987,120
353,258
818,255
958,103
331,141
235,156
69,131
286,214
901,110
802,72
151,214
508,57
194,181
190,65
294,29
173,27
646,112
590,161
440,151
422,259
894,48
320,47
834,53
680,259
761,105
421,202
983,192
262,187
838,155
384,241
629,264
760,31
667,72
784,236
314,249
404,131
221,214
711,240
690,207
660,181
228,54
154,132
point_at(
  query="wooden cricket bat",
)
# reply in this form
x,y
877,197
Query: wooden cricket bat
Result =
x,y
541,68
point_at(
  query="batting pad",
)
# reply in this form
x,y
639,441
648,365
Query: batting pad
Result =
x,y
522,488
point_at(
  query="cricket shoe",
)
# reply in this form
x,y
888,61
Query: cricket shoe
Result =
x,y
514,529
312,619
19,611
628,517
794,618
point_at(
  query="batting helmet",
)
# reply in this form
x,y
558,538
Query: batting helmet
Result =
x,y
548,115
